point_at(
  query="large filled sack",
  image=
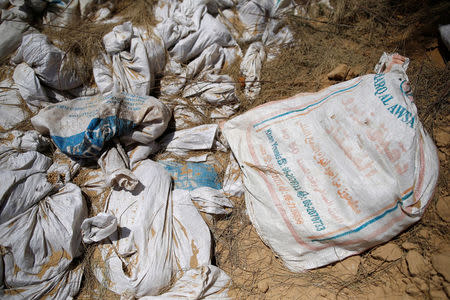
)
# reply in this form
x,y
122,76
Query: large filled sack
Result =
x,y
81,127
134,57
40,221
41,74
13,110
333,173
13,24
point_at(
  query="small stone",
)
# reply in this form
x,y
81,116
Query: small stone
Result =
x,y
437,280
442,137
338,73
441,263
412,290
388,252
348,267
443,208
354,72
263,286
447,289
416,263
421,284
442,156
436,58
424,233
403,267
409,246
438,295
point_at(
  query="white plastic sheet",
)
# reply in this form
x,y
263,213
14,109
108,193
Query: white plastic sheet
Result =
x,y
208,31
444,30
251,67
232,181
47,62
98,228
197,138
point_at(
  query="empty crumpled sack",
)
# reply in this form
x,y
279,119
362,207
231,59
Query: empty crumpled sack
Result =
x,y
136,57
160,238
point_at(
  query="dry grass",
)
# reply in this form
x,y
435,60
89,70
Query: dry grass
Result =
x,y
139,12
6,70
359,31
82,43
90,287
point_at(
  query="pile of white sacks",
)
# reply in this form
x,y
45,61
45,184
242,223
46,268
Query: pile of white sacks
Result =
x,y
150,239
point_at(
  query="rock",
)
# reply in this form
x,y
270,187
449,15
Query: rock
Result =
x,y
338,73
353,72
421,284
443,208
442,156
409,246
436,58
416,263
412,290
438,295
441,263
442,137
424,233
263,286
436,281
348,267
388,252
403,267
447,289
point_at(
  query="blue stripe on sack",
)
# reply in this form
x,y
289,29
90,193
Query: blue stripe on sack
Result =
x,y
360,227
309,106
407,196
89,143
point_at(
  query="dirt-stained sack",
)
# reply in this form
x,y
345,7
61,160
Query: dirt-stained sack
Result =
x,y
333,173
81,127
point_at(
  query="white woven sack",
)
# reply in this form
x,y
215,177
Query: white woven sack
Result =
x,y
333,173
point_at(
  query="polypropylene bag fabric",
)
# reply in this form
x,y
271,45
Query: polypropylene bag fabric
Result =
x,y
39,223
81,127
333,173
160,237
